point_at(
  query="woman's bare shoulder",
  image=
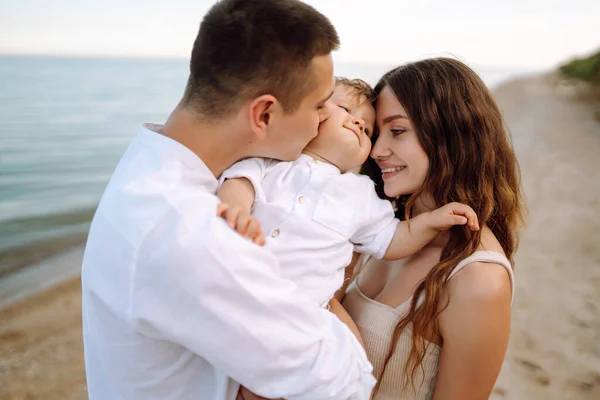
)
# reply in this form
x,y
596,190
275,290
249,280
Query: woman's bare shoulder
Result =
x,y
482,281
489,242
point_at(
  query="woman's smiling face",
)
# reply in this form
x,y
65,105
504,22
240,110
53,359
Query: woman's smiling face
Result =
x,y
398,152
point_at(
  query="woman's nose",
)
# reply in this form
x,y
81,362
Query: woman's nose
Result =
x,y
380,148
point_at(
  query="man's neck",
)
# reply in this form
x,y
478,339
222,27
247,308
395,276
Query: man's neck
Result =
x,y
217,145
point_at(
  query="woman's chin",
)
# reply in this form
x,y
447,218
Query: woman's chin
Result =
x,y
391,191
394,191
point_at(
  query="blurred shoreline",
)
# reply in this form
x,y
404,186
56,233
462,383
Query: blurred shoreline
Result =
x,y
31,240
554,353
40,276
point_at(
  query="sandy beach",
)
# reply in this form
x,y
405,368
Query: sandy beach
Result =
x,y
554,352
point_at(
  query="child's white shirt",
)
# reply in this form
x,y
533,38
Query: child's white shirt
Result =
x,y
313,217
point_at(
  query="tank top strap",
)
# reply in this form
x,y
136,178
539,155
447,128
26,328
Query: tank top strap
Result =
x,y
488,257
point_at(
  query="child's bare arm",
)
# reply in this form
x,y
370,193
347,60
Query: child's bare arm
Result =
x,y
237,192
425,227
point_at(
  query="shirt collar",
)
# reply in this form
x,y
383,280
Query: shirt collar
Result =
x,y
321,166
149,135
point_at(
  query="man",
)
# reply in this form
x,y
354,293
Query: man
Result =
x,y
175,304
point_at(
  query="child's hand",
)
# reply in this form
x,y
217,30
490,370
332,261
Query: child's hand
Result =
x,y
452,214
243,222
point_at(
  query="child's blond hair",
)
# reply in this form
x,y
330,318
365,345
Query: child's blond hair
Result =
x,y
361,87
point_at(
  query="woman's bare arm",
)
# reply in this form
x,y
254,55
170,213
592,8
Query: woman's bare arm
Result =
x,y
475,329
336,308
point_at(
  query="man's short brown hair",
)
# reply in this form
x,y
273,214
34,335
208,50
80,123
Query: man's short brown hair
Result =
x,y
248,48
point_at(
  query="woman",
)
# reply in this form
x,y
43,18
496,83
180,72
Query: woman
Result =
x,y
436,324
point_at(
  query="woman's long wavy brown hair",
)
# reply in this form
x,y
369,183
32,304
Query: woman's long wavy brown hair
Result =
x,y
471,160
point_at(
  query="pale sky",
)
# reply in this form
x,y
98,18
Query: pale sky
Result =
x,y
508,33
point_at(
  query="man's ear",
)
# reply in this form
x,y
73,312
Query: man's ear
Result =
x,y
261,111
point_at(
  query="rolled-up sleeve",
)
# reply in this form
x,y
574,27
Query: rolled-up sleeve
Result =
x,y
253,169
201,285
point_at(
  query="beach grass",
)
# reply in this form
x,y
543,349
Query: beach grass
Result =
x,y
585,68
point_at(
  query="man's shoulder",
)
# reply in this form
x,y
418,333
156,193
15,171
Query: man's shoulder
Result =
x,y
190,235
135,205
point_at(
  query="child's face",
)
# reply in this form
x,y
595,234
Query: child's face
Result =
x,y
344,139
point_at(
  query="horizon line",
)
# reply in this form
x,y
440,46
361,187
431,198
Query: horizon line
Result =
x,y
172,57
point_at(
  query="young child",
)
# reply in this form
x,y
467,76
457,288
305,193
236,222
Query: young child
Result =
x,y
315,212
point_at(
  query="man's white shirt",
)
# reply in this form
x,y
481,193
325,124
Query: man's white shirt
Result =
x,y
176,305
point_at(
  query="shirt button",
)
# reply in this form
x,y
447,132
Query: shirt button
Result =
x,y
301,199
314,162
275,233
